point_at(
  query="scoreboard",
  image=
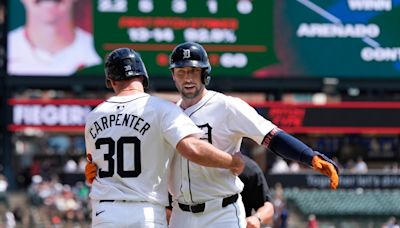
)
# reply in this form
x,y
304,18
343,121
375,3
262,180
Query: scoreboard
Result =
x,y
245,38
228,30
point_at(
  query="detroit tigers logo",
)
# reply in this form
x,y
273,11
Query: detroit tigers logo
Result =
x,y
207,132
186,53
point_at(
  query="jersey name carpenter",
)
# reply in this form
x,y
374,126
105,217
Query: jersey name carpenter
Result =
x,y
123,120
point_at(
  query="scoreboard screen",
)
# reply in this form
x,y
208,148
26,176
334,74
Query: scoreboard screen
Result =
x,y
227,29
238,35
244,38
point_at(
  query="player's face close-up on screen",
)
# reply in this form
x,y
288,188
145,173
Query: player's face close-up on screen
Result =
x,y
49,10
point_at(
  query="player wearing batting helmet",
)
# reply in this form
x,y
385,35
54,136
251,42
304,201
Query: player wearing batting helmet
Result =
x,y
209,197
132,137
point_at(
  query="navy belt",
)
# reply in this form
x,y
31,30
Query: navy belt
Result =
x,y
104,201
197,208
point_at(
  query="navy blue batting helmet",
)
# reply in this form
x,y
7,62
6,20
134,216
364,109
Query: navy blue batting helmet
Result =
x,y
190,54
124,63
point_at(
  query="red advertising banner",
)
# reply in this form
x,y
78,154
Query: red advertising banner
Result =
x,y
334,118
337,118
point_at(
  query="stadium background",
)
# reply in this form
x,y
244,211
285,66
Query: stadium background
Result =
x,y
325,70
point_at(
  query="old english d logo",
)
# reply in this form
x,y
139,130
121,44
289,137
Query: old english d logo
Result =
x,y
186,53
207,132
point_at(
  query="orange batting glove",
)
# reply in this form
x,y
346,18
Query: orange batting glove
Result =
x,y
327,167
90,170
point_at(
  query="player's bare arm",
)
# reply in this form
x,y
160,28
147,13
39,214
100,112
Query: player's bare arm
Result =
x,y
291,148
205,154
264,215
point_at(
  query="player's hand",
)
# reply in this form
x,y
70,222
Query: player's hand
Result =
x,y
90,170
253,222
327,167
238,163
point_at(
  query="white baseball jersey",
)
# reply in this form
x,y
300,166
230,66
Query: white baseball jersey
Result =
x,y
132,140
225,121
25,59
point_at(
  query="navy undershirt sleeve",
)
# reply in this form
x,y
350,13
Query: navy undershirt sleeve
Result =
x,y
291,148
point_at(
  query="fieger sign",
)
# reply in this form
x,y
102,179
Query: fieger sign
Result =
x,y
50,115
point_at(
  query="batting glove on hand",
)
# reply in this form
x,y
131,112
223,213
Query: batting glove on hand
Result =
x,y
90,170
327,167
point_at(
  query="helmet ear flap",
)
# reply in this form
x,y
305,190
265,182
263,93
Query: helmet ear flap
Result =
x,y
205,77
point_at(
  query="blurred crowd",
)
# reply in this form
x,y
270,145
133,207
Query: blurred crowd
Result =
x,y
61,203
353,154
49,204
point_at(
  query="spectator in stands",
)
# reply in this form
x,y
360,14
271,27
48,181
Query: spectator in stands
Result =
x,y
349,164
33,190
281,213
391,223
312,221
395,167
71,166
294,167
280,166
49,43
360,166
3,190
374,149
10,219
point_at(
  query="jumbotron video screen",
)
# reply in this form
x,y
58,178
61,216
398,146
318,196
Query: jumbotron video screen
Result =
x,y
244,38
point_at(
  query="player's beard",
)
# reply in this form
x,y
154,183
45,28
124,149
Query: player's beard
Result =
x,y
191,95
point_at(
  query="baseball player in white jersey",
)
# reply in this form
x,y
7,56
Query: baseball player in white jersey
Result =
x,y
131,138
210,197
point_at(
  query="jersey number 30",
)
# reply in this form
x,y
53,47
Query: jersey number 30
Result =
x,y
120,156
